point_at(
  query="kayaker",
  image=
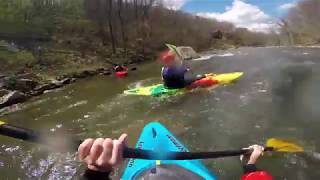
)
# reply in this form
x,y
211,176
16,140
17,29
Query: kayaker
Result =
x,y
119,68
101,155
173,72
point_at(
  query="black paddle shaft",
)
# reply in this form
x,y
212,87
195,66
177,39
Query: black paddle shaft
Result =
x,y
30,135
152,155
36,137
19,133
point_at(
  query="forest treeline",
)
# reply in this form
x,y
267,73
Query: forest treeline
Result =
x,y
302,23
131,28
104,26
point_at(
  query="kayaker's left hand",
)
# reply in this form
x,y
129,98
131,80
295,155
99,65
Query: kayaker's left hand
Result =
x,y
102,154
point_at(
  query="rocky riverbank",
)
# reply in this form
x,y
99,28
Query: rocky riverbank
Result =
x,y
18,88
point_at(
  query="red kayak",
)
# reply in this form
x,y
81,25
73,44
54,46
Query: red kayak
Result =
x,y
121,74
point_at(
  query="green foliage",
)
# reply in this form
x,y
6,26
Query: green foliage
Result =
x,y
25,57
55,59
15,60
27,15
83,27
12,81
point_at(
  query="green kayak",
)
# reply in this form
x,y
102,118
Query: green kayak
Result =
x,y
160,89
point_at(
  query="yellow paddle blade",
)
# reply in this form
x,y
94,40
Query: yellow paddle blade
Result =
x,y
283,146
2,122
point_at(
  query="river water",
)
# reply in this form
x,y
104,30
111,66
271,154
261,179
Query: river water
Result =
x,y
277,97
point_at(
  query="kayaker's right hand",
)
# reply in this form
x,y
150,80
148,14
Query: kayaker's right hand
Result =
x,y
256,153
102,154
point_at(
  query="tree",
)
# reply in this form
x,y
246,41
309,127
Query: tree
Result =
x,y
302,23
110,24
287,30
122,26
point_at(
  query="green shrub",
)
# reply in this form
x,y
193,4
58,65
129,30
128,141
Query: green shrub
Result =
x,y
12,81
15,60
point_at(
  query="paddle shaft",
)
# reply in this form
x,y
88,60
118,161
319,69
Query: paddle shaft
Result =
x,y
152,155
19,133
28,134
33,136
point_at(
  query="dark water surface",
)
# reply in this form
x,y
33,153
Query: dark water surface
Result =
x,y
277,97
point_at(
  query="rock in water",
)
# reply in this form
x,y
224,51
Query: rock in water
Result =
x,y
11,98
187,53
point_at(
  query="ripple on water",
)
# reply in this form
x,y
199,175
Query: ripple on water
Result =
x,y
145,82
79,103
225,55
309,63
86,116
206,57
12,149
66,108
65,167
52,166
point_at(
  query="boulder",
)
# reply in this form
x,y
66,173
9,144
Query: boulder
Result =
x,y
53,85
2,84
72,80
187,53
59,78
9,109
27,75
26,85
100,70
11,98
2,76
106,72
91,72
45,87
84,74
133,69
3,92
137,58
66,81
23,85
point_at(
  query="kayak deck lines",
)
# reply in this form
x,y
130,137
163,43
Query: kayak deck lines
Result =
x,y
164,141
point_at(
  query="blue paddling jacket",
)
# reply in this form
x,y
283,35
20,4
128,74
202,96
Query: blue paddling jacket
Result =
x,y
173,77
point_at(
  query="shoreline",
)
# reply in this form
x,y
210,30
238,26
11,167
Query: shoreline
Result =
x,y
10,98
29,87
